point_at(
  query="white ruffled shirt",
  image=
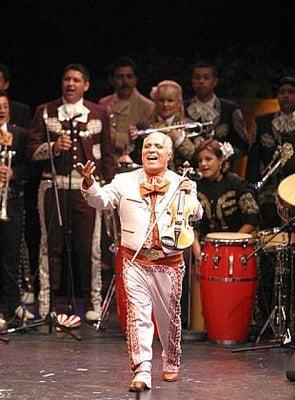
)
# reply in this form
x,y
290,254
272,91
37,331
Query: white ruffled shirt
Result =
x,y
68,110
284,122
204,111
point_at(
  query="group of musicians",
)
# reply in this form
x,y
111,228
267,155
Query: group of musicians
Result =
x,y
77,144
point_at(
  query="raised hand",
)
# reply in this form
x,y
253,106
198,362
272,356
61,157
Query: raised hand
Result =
x,y
87,172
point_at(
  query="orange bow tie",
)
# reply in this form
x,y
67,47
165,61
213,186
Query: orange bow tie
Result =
x,y
147,189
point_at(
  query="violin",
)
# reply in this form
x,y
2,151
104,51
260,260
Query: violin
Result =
x,y
179,234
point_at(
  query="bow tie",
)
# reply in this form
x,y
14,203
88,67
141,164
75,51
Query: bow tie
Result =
x,y
147,189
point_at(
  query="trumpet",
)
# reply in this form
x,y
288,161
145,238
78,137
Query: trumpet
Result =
x,y
5,159
197,128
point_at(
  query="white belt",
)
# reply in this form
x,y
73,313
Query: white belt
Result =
x,y
64,181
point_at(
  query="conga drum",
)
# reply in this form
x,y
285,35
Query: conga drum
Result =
x,y
228,285
286,199
121,298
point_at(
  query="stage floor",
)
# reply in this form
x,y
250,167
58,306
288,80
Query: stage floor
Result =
x,y
37,365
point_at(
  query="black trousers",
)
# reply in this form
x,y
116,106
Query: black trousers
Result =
x,y
10,240
76,234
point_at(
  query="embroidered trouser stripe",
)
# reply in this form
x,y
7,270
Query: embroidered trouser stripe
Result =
x,y
154,288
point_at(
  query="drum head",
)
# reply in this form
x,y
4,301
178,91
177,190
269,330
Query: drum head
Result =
x,y
229,237
286,191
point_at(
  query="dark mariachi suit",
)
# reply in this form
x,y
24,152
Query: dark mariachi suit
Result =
x,y
11,230
82,219
20,114
268,135
229,124
266,140
228,204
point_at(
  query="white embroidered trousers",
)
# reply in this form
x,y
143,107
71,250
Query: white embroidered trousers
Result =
x,y
152,289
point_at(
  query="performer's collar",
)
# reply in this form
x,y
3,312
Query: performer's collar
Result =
x,y
209,103
77,104
168,122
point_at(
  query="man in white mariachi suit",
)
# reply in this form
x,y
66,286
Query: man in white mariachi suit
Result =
x,y
152,274
78,131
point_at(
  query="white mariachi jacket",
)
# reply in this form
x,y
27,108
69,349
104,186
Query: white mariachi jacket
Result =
x,y
134,211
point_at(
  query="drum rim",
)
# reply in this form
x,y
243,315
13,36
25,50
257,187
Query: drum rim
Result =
x,y
283,182
231,241
246,235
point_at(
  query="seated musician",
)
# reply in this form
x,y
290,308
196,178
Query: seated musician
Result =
x,y
168,110
227,200
148,267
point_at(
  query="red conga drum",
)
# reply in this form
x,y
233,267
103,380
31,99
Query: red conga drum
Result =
x,y
228,285
121,295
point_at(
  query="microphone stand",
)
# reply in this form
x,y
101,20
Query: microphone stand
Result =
x,y
53,170
69,249
244,259
50,320
54,180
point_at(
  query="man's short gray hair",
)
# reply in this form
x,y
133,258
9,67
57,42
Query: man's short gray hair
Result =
x,y
167,139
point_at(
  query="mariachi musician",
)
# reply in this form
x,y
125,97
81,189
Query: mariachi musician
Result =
x,y
71,130
273,144
168,111
13,174
230,211
142,198
228,201
228,121
272,132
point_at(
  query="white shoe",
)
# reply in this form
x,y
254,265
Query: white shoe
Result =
x,y
92,315
28,298
19,312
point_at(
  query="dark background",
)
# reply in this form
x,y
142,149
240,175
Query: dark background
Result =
x,y
252,42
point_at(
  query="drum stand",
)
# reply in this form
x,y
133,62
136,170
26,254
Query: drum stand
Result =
x,y
278,317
